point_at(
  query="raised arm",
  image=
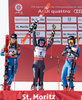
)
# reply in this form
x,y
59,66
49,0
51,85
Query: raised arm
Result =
x,y
51,40
34,38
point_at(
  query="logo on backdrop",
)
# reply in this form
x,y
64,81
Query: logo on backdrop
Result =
x,y
18,7
69,19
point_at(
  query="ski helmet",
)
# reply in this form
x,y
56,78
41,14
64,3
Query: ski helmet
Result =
x,y
41,40
71,39
14,36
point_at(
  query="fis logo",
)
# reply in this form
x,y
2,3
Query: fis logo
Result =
x,y
69,19
38,34
18,7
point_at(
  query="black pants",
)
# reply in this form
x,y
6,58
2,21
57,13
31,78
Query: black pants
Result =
x,y
38,72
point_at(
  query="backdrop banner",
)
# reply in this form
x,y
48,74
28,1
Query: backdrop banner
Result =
x,y
65,14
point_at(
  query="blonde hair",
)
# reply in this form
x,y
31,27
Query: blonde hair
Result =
x,y
16,44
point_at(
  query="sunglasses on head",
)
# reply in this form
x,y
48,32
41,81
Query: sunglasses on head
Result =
x,y
71,41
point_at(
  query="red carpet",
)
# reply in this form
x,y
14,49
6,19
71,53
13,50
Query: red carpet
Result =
x,y
40,95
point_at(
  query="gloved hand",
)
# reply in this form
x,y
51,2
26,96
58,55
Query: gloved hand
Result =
x,y
68,50
11,53
33,27
52,34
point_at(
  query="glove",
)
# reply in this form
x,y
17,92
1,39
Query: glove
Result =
x,y
68,50
52,34
33,27
74,49
11,53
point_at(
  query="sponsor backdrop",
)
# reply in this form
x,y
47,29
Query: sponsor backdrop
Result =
x,y
65,14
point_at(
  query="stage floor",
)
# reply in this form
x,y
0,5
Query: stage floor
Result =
x,y
40,95
26,86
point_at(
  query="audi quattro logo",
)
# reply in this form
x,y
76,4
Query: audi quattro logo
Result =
x,y
18,7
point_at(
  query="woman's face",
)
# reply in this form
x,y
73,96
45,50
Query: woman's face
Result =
x,y
13,40
41,44
71,44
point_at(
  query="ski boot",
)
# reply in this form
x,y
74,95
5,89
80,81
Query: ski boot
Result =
x,y
41,87
33,87
65,88
9,87
71,89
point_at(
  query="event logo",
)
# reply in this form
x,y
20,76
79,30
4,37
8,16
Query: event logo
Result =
x,y
18,7
57,41
79,26
53,19
19,19
68,33
64,42
79,19
69,20
41,27
69,27
80,34
38,33
21,26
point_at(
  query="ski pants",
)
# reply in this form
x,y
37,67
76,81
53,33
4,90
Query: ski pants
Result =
x,y
38,72
12,69
66,72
